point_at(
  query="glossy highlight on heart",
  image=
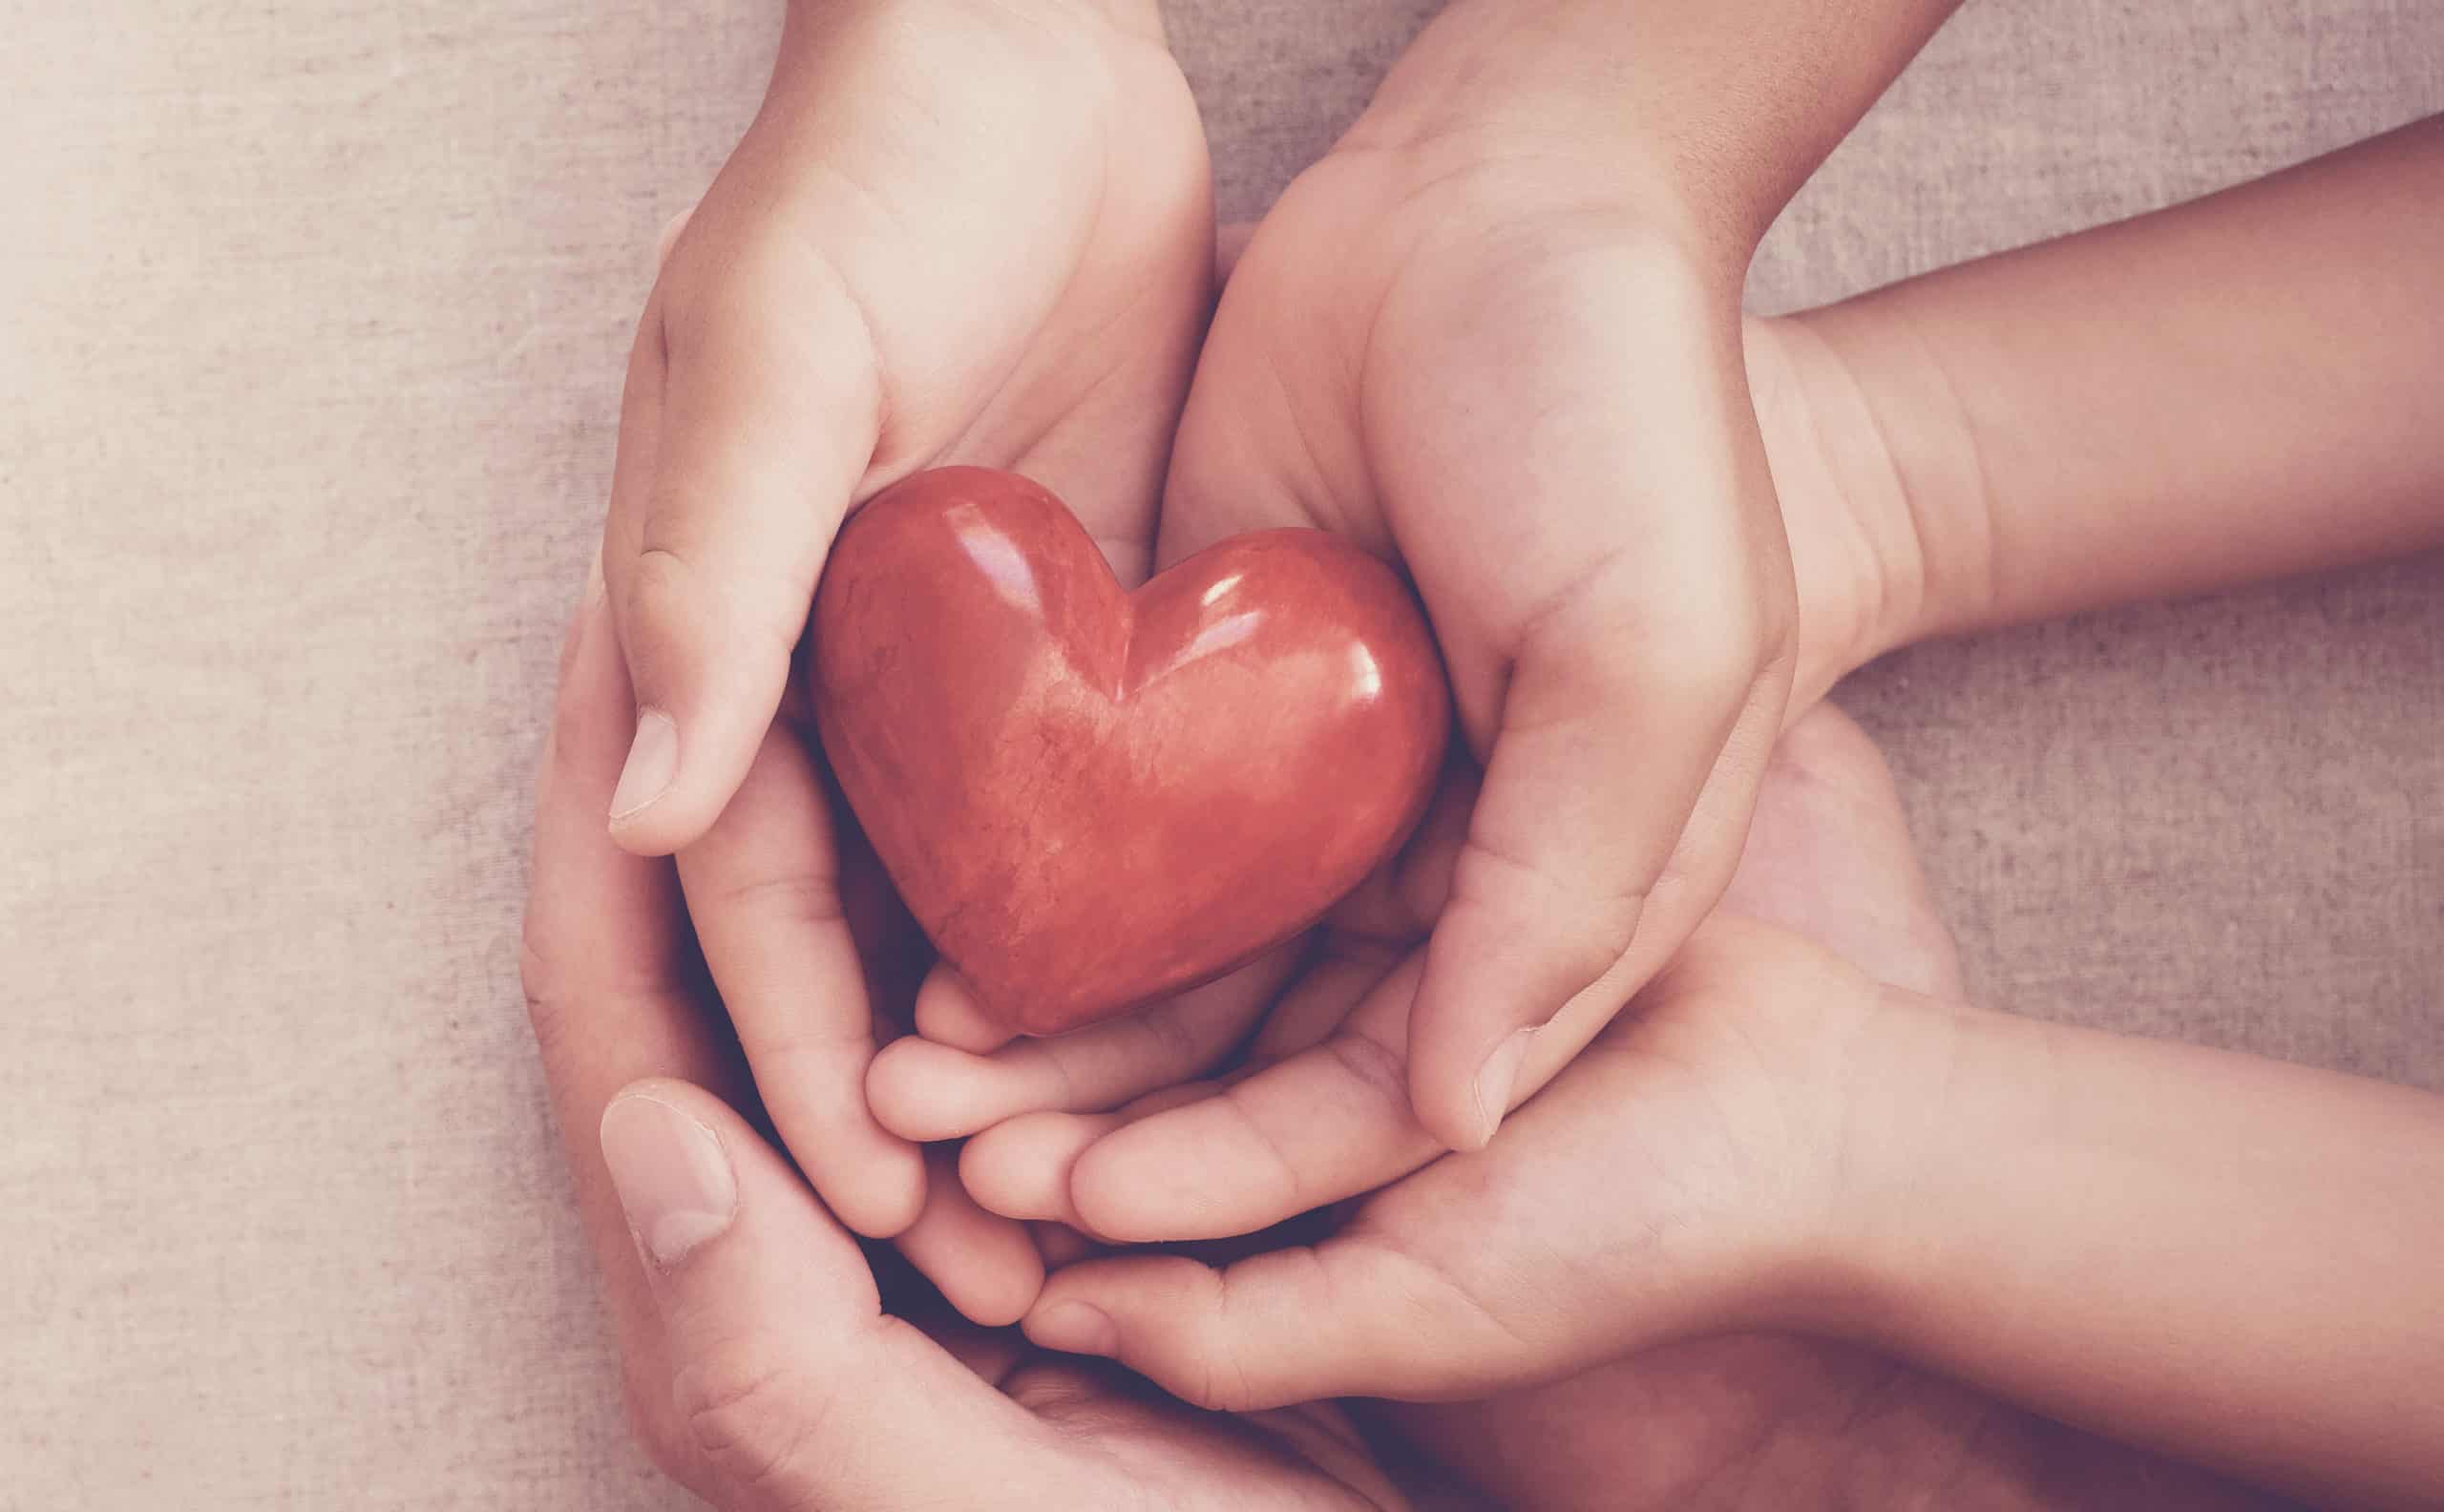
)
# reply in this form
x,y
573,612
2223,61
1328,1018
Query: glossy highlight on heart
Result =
x,y
1091,798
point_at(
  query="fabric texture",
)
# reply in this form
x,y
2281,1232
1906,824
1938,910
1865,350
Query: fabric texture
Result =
x,y
312,326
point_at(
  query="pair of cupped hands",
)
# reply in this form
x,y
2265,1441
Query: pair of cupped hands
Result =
x,y
1484,343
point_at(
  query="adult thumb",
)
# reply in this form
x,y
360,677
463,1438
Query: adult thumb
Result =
x,y
794,1389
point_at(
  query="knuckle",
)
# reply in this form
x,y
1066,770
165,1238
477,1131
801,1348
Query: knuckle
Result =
x,y
1221,1375
745,1416
644,1400
662,591
791,900
1377,1071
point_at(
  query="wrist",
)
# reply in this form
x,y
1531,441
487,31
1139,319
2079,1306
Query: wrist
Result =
x,y
1853,1265
1553,85
1941,1162
1882,482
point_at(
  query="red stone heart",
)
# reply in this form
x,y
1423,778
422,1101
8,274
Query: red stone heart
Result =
x,y
1091,798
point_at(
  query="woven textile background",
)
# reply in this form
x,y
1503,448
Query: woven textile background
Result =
x,y
311,322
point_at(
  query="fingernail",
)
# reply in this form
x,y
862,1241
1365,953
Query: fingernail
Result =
x,y
653,760
673,1179
1495,1080
1074,1328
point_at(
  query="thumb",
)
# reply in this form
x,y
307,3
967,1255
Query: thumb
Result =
x,y
1615,743
769,409
794,1389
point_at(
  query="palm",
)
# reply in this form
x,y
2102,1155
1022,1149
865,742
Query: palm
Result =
x,y
1032,257
904,264
1778,1421
1144,1450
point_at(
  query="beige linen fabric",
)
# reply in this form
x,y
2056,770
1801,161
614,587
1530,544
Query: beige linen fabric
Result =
x,y
312,320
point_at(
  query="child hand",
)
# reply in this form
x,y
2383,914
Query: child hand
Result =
x,y
1685,1175
958,231
1698,1169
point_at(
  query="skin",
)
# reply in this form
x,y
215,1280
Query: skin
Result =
x,y
2028,435
798,354
2013,530
822,328
1780,1423
761,1370
2143,1122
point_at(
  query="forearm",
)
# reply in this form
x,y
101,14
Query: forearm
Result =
x,y
2246,387
2235,1260
1725,106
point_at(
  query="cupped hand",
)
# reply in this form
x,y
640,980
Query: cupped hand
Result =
x,y
1326,1112
761,1370
1696,1171
959,231
1660,1187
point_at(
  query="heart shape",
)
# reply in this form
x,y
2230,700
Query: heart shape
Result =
x,y
1091,798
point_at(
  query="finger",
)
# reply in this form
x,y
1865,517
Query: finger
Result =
x,y
612,988
1371,932
770,410
948,1012
1021,1169
1324,1124
1686,891
1604,691
985,1264
1060,1244
927,1091
1343,1318
1344,971
764,887
794,1386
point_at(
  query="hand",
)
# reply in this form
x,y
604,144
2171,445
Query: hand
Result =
x,y
761,1370
1692,1172
1485,339
958,231
1767,1419
1259,1151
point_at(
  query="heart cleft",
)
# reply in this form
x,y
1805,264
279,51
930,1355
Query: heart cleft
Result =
x,y
1092,798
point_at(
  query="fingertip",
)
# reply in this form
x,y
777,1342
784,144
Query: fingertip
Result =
x,y
997,1299
646,777
1022,1168
923,1091
885,1196
949,1013
986,1266
1490,1093
708,674
1071,1327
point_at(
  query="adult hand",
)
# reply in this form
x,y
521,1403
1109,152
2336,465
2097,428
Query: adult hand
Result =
x,y
959,231
761,1370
